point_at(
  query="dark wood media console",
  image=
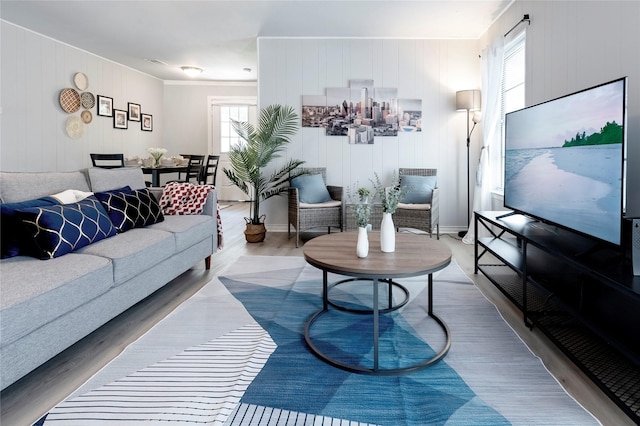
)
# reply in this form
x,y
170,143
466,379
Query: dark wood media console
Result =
x,y
580,293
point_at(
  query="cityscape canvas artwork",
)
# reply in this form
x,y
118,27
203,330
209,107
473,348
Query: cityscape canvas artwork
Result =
x,y
361,112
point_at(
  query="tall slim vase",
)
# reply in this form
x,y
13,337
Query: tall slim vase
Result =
x,y
362,246
387,234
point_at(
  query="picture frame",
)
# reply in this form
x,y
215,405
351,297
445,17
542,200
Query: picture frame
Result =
x,y
134,112
120,119
147,122
105,106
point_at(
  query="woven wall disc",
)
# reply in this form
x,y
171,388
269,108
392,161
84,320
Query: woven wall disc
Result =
x,y
88,100
81,81
69,100
86,116
74,127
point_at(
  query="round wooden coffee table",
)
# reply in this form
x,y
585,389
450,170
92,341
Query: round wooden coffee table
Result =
x,y
415,255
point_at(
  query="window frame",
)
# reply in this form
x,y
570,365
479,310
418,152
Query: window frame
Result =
x,y
514,49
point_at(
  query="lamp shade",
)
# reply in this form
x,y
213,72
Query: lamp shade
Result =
x,y
468,100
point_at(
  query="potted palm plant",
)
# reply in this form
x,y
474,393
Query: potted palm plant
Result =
x,y
259,146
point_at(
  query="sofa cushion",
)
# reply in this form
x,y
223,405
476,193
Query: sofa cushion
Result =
x,y
19,186
419,188
36,292
15,239
63,228
106,179
311,189
134,252
134,209
188,230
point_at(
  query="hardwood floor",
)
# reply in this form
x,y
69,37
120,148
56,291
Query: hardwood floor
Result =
x,y
28,399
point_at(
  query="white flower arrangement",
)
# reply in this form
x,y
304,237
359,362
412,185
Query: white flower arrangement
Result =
x,y
157,154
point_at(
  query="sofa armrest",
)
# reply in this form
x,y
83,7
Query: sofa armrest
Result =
x,y
211,205
435,206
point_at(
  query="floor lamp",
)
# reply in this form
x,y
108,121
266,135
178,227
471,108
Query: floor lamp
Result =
x,y
468,100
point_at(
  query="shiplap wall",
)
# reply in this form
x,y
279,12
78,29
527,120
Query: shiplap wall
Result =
x,y
572,45
34,69
186,108
430,70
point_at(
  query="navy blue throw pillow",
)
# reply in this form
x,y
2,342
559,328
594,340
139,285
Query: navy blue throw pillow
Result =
x,y
15,239
131,209
63,228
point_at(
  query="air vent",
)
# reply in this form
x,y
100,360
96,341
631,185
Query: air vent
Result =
x,y
156,61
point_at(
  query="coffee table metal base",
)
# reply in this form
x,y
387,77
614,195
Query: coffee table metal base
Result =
x,y
390,307
375,369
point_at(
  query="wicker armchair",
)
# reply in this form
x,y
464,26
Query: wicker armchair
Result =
x,y
307,216
424,217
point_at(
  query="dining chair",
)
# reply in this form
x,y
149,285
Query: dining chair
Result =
x,y
194,169
210,169
107,161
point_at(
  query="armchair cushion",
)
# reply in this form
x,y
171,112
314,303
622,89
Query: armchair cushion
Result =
x,y
421,188
413,206
332,203
311,189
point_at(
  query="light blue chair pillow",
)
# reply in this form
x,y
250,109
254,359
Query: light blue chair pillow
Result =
x,y
420,190
311,189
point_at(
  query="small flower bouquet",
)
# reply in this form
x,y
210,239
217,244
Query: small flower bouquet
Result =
x,y
389,196
157,154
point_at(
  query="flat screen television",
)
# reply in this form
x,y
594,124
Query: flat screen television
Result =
x,y
564,161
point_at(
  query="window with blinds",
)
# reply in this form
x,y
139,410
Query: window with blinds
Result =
x,y
513,81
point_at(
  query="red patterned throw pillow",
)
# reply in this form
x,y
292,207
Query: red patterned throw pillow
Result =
x,y
184,198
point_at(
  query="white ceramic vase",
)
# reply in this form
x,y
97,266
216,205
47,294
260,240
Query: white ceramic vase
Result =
x,y
362,247
387,234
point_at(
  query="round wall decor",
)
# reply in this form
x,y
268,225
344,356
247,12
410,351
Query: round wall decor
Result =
x,y
88,100
74,127
86,116
81,81
69,100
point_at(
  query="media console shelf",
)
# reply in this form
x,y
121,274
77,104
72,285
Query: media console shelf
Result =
x,y
580,293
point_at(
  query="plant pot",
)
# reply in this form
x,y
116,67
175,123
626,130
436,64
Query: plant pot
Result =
x,y
387,234
255,233
362,246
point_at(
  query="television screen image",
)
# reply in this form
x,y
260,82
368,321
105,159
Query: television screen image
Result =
x,y
564,161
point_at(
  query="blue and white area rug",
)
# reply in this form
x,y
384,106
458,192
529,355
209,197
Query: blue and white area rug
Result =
x,y
234,354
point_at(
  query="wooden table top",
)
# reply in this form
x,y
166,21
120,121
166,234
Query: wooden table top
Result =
x,y
414,255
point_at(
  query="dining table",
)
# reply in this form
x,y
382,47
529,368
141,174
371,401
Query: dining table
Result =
x,y
155,172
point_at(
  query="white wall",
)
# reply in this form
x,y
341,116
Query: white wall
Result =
x,y
572,45
186,111
431,70
34,69
188,126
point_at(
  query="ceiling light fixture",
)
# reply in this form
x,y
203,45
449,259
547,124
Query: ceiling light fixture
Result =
x,y
191,71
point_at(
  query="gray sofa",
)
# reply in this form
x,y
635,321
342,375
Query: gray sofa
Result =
x,y
48,305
